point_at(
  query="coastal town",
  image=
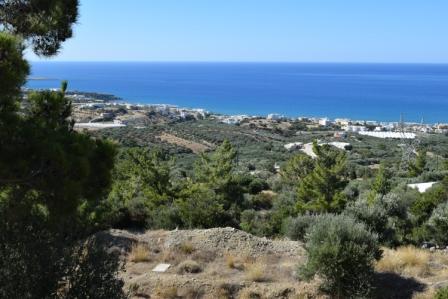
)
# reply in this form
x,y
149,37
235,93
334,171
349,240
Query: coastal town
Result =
x,y
97,111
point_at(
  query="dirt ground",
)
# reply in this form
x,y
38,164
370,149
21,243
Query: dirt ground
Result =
x,y
229,263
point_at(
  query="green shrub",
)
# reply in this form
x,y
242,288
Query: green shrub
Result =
x,y
261,201
437,224
427,202
342,252
296,228
257,185
442,293
258,223
374,216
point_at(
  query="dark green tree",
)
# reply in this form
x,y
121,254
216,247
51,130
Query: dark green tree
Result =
x,y
217,172
296,169
417,167
142,184
321,190
48,172
381,184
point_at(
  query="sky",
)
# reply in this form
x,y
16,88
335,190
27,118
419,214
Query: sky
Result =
x,y
378,31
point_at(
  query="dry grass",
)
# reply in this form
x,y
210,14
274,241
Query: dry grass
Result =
x,y
165,292
233,262
190,293
429,294
256,272
249,294
204,256
407,261
226,291
238,262
139,253
186,247
188,266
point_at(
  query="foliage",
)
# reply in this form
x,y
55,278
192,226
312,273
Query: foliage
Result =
x,y
142,184
381,185
437,224
296,169
342,251
426,203
258,223
375,218
36,260
321,190
262,201
296,228
417,167
198,207
46,24
217,172
48,172
441,293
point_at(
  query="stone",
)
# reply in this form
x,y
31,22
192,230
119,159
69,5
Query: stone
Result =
x,y
161,268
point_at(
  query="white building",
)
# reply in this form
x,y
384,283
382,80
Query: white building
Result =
x,y
391,135
324,122
274,116
354,128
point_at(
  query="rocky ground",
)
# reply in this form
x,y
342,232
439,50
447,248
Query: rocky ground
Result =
x,y
228,263
213,263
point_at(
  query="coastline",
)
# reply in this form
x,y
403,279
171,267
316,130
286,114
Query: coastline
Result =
x,y
379,92
99,111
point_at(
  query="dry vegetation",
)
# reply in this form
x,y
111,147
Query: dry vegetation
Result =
x,y
226,263
428,268
139,253
188,266
256,272
406,261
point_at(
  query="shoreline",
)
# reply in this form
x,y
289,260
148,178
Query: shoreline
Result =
x,y
87,97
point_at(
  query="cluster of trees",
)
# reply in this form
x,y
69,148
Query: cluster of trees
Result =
x,y
48,172
147,192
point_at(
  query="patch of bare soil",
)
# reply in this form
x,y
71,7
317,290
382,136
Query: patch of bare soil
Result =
x,y
212,263
196,147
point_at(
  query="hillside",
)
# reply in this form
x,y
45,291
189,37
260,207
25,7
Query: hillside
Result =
x,y
229,263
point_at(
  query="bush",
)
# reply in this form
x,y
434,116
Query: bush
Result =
x,y
257,185
374,216
257,223
341,251
262,201
437,224
442,293
296,228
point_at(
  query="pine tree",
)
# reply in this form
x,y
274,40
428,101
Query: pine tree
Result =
x,y
321,190
47,170
381,185
296,169
417,167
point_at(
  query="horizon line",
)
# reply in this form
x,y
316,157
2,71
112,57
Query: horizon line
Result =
x,y
228,61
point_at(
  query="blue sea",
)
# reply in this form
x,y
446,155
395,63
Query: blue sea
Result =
x,y
357,91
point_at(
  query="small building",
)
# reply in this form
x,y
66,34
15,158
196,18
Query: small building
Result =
x,y
324,122
274,116
354,128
